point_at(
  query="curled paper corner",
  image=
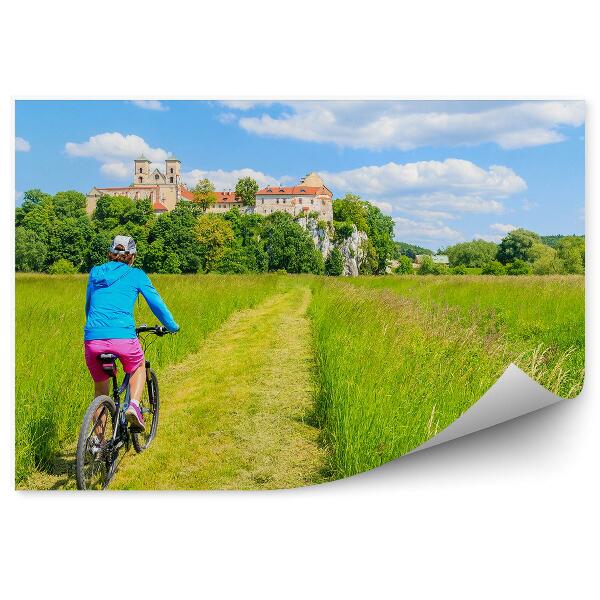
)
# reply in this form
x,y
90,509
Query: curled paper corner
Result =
x,y
513,395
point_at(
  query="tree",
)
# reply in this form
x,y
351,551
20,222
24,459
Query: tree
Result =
x,y
351,209
246,188
545,260
410,250
204,194
30,251
69,204
493,268
175,232
334,264
369,263
289,246
233,260
517,246
381,234
214,235
96,250
404,266
571,250
471,254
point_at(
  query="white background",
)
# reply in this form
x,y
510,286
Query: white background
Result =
x,y
507,513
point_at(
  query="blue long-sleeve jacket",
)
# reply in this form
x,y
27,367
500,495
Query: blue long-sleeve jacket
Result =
x,y
110,297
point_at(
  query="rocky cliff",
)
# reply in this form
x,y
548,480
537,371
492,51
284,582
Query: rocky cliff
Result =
x,y
351,248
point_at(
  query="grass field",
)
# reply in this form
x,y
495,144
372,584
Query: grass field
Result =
x,y
278,381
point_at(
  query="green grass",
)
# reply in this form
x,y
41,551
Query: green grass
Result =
x,y
400,358
541,318
395,359
53,386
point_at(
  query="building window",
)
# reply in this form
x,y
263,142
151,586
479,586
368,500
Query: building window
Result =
x,y
284,200
141,171
262,201
156,176
312,200
300,200
277,200
171,169
170,178
140,179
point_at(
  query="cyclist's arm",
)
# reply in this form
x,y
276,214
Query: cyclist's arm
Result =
x,y
156,304
88,295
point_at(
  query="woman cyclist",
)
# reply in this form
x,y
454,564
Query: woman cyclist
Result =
x,y
112,290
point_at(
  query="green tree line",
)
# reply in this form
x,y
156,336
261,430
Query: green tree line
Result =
x,y
54,234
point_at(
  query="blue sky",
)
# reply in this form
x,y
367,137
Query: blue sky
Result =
x,y
446,171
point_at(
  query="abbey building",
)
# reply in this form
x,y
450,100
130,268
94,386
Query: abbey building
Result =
x,y
165,189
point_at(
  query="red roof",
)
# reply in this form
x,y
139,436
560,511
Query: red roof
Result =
x,y
296,190
137,187
159,206
227,197
221,196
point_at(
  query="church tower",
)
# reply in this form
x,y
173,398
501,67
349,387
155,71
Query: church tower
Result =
x,y
173,170
141,170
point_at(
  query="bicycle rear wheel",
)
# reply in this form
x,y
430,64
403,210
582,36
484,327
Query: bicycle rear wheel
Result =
x,y
93,446
150,405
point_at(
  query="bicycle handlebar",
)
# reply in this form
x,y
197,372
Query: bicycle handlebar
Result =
x,y
156,330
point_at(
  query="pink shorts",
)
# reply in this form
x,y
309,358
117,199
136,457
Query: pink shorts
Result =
x,y
129,351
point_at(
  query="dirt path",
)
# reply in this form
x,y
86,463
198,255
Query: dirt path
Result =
x,y
233,415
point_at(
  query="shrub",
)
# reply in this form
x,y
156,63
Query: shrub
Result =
x,y
334,265
518,267
459,270
62,267
404,266
493,267
428,267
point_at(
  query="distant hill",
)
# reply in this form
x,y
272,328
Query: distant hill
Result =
x,y
410,250
552,240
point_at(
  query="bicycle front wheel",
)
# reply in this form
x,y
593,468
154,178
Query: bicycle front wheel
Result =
x,y
150,406
94,457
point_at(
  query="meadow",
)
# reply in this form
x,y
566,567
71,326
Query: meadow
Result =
x,y
394,359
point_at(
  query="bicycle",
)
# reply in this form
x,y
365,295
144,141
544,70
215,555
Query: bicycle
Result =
x,y
104,431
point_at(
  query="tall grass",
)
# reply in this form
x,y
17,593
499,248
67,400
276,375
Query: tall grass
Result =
x,y
541,318
393,371
53,386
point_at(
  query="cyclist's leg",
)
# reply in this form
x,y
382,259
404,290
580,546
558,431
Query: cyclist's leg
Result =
x,y
101,380
132,358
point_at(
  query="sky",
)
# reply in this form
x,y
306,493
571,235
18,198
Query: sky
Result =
x,y
445,171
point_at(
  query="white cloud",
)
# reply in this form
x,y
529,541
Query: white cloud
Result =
x,y
452,174
411,124
118,170
502,227
116,152
224,180
499,229
226,117
18,196
386,207
425,231
22,145
150,105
